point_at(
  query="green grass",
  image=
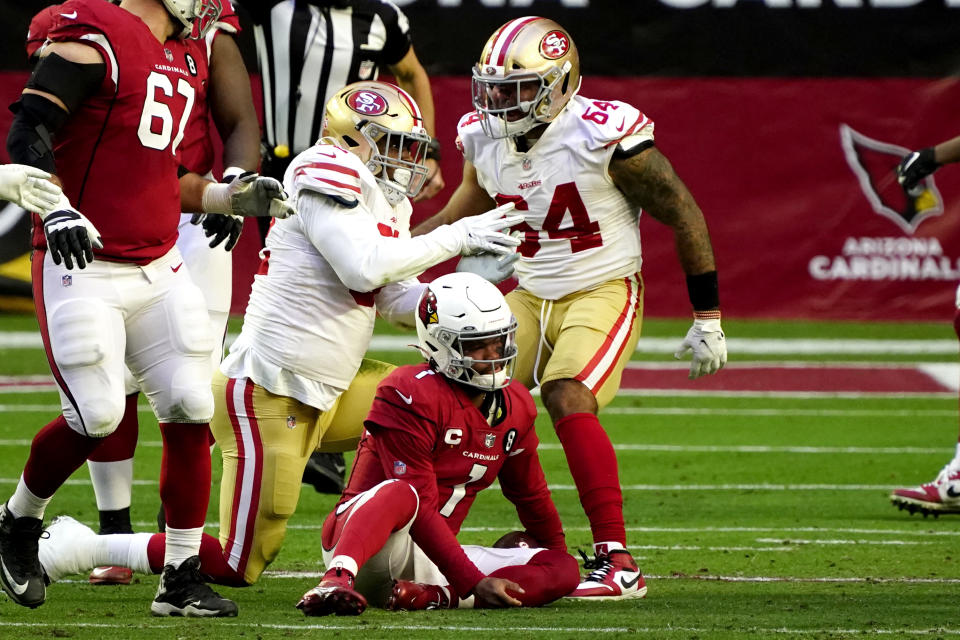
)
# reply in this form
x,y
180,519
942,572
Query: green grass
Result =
x,y
752,516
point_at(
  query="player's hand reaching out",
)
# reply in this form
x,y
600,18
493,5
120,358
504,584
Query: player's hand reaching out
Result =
x,y
496,592
29,188
915,167
248,194
488,231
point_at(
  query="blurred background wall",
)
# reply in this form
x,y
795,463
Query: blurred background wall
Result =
x,y
784,117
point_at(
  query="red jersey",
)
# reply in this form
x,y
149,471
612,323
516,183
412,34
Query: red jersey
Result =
x,y
197,147
119,152
424,430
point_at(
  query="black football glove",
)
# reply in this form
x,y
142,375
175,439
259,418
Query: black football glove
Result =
x,y
70,236
222,227
915,167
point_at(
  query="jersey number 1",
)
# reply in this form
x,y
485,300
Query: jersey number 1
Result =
x,y
154,110
477,471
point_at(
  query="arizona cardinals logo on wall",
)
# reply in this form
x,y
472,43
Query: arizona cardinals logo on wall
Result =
x,y
428,308
873,161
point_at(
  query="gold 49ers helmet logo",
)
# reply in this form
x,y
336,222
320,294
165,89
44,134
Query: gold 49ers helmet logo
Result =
x,y
428,308
554,45
367,102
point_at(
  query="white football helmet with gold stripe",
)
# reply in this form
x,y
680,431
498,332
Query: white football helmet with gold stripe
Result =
x,y
528,72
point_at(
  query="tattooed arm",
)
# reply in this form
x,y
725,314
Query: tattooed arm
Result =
x,y
649,181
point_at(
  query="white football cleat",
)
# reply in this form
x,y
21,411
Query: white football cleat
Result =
x,y
614,576
66,548
942,495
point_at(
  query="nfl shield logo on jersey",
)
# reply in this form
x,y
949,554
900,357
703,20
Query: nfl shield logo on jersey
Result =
x,y
399,468
66,280
489,440
291,422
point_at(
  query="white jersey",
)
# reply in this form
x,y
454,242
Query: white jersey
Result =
x,y
305,332
580,230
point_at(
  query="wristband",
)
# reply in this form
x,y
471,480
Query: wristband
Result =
x,y
703,291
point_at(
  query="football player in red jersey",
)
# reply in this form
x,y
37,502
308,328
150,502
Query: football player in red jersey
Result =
x,y
437,435
223,93
105,111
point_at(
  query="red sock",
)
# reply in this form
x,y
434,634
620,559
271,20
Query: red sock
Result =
x,y
956,329
185,474
593,465
548,576
212,563
366,530
56,452
121,444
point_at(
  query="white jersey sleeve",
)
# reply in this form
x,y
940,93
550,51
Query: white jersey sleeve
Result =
x,y
327,170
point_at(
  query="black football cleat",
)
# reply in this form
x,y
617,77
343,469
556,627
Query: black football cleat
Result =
x,y
325,471
21,574
183,592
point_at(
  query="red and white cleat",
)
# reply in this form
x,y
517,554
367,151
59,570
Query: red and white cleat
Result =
x,y
414,596
111,575
614,576
334,595
942,495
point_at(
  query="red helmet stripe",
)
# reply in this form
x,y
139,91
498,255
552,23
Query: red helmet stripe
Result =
x,y
498,52
411,104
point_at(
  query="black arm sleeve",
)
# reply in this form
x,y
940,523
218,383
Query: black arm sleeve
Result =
x,y
29,140
69,81
36,119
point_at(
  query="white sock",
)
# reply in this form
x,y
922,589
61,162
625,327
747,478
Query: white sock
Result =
x,y
181,544
24,504
345,562
112,482
607,547
956,458
123,550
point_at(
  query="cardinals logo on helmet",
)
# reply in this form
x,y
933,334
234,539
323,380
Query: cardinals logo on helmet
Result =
x,y
873,162
554,45
428,308
367,102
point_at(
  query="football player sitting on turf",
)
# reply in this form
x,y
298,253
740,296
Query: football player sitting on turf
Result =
x,y
437,435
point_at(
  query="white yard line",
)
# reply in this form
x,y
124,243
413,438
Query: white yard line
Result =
x,y
751,346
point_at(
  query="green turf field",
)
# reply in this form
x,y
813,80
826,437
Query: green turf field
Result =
x,y
751,515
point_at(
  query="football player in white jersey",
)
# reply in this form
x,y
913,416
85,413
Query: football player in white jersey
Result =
x,y
580,171
295,379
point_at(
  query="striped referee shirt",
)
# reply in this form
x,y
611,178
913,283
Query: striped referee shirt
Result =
x,y
309,49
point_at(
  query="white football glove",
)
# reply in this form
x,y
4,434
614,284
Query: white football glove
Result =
x,y
248,194
709,346
70,236
489,266
29,187
484,232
